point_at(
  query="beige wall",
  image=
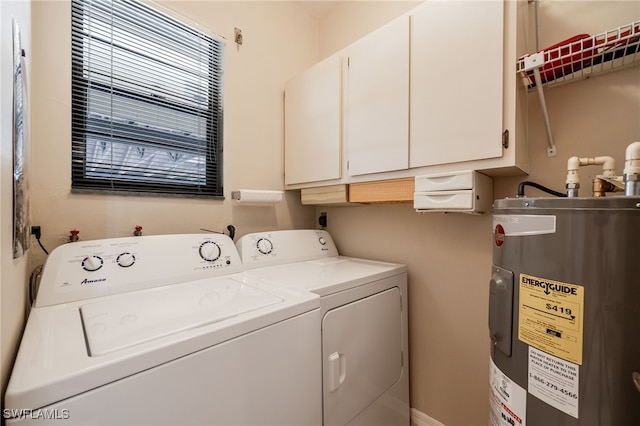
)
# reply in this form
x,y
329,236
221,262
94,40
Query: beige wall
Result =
x,y
449,256
352,20
280,40
13,273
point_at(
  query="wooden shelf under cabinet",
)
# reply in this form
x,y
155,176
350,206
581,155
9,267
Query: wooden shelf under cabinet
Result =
x,y
385,191
325,195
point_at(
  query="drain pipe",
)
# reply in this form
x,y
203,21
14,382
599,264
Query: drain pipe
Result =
x,y
574,163
632,170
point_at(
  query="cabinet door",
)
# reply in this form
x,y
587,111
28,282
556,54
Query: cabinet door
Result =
x,y
378,100
456,82
313,123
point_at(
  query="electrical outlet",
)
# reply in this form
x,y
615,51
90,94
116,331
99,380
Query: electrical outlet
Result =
x,y
35,230
322,220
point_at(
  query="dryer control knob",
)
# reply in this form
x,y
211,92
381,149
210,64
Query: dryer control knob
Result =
x,y
264,246
92,263
125,259
210,251
322,241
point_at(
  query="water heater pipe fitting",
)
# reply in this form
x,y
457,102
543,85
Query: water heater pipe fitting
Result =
x,y
632,169
632,158
574,163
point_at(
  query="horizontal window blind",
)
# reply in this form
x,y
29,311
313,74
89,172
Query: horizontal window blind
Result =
x,y
146,102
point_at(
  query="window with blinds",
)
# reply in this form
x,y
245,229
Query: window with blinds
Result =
x,y
146,102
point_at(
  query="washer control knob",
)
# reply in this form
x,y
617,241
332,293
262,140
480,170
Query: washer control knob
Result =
x,y
322,241
125,259
264,245
210,251
92,263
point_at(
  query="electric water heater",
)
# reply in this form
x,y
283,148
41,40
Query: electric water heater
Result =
x,y
564,314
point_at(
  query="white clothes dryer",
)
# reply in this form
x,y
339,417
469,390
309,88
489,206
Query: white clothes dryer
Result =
x,y
365,364
164,330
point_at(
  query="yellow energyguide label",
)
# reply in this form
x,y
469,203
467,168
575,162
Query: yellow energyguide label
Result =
x,y
551,317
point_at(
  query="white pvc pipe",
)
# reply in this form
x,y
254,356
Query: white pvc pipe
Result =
x,y
632,170
574,163
608,164
632,159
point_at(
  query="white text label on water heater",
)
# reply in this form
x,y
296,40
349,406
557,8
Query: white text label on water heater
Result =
x,y
554,381
508,400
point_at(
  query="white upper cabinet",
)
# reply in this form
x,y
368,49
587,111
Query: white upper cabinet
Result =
x,y
433,91
313,120
377,100
457,55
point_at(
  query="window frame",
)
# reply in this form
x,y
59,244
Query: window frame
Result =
x,y
83,126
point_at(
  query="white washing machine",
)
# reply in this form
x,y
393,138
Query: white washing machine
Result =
x,y
165,330
364,321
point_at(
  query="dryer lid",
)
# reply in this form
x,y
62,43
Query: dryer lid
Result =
x,y
124,321
327,276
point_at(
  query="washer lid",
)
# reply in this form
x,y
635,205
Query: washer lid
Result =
x,y
134,318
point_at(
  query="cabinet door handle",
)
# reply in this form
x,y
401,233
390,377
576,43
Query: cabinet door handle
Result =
x,y
337,370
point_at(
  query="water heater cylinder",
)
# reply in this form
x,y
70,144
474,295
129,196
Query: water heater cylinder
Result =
x,y
564,312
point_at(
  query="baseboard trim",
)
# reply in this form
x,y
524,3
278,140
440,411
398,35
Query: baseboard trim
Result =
x,y
418,418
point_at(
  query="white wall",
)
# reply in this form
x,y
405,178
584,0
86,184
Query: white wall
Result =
x,y
449,256
13,273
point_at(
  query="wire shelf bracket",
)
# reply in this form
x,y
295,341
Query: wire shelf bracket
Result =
x,y
581,56
533,64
